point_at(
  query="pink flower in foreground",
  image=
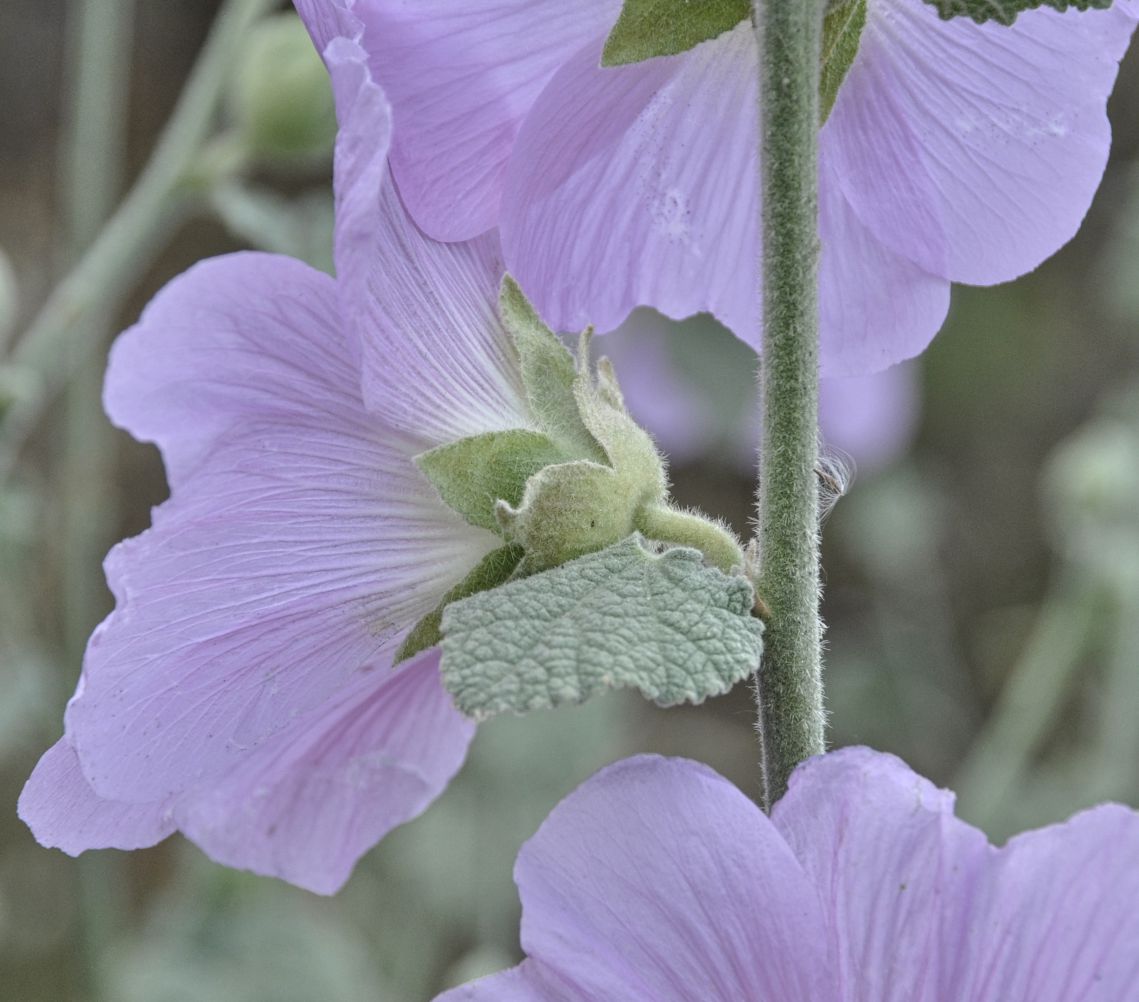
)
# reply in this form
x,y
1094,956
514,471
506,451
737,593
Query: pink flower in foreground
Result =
x,y
243,689
954,153
658,881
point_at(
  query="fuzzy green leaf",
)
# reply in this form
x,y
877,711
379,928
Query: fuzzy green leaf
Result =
x,y
494,569
548,373
649,28
1005,11
622,617
473,474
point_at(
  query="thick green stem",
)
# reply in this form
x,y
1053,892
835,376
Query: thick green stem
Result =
x,y
791,718
163,194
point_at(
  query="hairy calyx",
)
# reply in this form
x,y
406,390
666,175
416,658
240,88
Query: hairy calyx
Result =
x,y
586,478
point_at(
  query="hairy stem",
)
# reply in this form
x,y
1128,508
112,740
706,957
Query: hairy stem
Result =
x,y
666,524
791,719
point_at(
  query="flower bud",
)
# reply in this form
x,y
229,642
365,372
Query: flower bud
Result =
x,y
1091,484
280,96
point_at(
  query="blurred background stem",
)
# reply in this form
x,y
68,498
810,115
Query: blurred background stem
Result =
x,y
1030,701
56,345
1118,752
92,168
101,261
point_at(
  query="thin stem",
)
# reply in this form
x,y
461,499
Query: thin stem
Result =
x,y
92,159
666,524
1029,703
162,196
1119,737
791,717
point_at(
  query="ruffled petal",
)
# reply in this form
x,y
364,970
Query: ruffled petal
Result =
x,y
658,880
63,812
461,77
894,865
876,307
308,803
975,150
300,550
328,19
1055,918
437,362
636,186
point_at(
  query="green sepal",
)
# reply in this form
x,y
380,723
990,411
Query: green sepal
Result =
x,y
494,569
665,624
650,28
473,474
575,508
1005,11
548,374
628,447
842,31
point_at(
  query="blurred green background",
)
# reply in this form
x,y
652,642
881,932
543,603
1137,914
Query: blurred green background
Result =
x,y
982,590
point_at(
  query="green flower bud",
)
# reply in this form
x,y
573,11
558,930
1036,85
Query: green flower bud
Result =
x,y
1091,483
280,96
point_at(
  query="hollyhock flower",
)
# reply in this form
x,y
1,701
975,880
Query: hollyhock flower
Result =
x,y
954,152
244,690
694,390
658,880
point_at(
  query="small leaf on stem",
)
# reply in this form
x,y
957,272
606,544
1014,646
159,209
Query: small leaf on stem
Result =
x,y
649,28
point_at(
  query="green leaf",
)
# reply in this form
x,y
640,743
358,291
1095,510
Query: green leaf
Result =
x,y
473,474
649,28
1006,11
548,374
622,617
842,31
495,568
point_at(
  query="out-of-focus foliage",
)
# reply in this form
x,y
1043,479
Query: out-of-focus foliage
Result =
x,y
981,593
9,298
280,96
